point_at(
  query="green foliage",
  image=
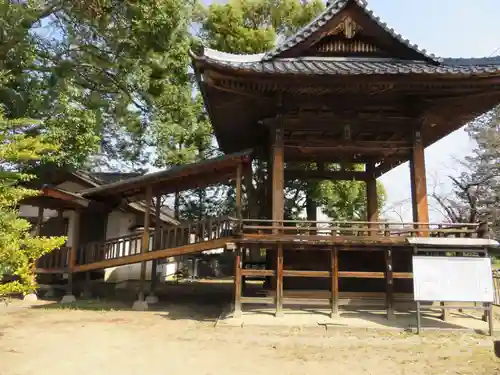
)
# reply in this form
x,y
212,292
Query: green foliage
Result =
x,y
339,200
93,71
20,142
476,191
254,26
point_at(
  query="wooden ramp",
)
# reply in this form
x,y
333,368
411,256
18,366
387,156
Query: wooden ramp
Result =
x,y
189,238
152,255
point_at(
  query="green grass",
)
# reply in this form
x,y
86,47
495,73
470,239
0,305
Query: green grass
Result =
x,y
87,305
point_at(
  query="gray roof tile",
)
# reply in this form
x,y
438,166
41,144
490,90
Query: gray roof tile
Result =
x,y
343,66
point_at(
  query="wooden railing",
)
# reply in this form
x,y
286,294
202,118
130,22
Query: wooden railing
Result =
x,y
174,236
112,248
197,232
56,259
357,228
227,227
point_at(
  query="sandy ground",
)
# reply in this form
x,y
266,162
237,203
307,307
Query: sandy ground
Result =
x,y
183,339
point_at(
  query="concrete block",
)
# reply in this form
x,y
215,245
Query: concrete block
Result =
x,y
68,298
32,297
152,299
140,305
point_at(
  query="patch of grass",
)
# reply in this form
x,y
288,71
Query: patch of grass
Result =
x,y
87,305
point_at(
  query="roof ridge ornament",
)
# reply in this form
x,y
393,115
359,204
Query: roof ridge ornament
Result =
x,y
347,26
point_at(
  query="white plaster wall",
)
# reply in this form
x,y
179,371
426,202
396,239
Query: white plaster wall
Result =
x,y
71,217
118,225
32,211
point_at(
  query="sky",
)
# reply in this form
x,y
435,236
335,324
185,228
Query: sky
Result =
x,y
447,28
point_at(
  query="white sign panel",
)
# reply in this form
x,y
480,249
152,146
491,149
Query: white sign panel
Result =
x,y
452,279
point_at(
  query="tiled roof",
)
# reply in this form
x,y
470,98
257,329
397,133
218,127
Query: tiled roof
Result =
x,y
350,66
332,9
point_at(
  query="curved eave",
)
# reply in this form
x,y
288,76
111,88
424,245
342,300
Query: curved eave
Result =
x,y
345,67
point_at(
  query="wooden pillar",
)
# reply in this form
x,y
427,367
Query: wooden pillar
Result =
x,y
279,282
418,180
239,175
38,232
389,290
157,244
278,177
75,229
237,283
39,221
145,239
334,269
244,260
276,190
445,313
371,198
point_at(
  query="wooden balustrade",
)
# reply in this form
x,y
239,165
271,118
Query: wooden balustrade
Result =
x,y
197,232
56,259
174,236
110,249
210,229
357,228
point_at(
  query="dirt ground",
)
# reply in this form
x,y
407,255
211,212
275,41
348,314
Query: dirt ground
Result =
x,y
106,338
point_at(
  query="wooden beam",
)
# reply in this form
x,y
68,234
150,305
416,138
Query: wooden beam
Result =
x,y
278,177
365,150
145,239
371,197
365,119
299,273
157,243
334,289
354,241
237,283
158,254
418,180
279,282
75,243
390,164
39,221
257,273
239,175
389,284
38,232
292,174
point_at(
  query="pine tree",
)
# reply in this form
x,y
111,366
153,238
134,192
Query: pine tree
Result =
x,y
21,141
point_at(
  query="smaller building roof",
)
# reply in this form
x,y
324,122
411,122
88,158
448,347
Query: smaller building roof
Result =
x,y
185,177
55,198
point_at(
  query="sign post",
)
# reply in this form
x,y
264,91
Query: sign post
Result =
x,y
457,280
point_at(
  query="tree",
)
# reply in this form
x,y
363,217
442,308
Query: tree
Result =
x,y
92,71
244,26
21,141
476,192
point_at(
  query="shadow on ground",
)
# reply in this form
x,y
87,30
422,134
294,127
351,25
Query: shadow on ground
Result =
x,y
186,301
